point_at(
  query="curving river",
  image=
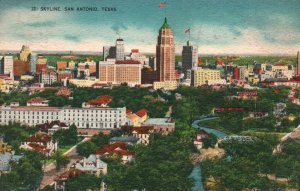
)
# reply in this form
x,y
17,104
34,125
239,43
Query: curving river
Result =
x,y
196,173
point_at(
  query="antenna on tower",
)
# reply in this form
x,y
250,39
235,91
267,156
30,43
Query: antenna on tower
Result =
x,y
119,34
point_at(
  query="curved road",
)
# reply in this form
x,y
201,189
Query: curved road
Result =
x,y
50,171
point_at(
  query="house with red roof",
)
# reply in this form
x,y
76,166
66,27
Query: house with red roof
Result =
x,y
142,133
294,100
59,181
199,136
52,127
41,142
116,150
63,91
142,114
37,101
132,118
100,101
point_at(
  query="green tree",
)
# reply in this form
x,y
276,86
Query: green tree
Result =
x,y
83,182
60,161
86,148
210,141
66,136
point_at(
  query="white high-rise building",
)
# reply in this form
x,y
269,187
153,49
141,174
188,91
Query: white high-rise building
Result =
x,y
33,60
120,49
7,65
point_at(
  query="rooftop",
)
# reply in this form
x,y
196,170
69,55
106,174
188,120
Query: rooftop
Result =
x,y
128,62
138,130
142,112
124,139
39,137
37,100
158,121
104,99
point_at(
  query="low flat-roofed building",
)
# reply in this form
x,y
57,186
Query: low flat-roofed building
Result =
x,y
166,85
160,125
130,140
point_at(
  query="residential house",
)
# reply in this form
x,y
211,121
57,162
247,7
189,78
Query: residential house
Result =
x,y
100,101
198,140
40,142
92,165
142,114
5,159
116,150
142,133
38,101
60,181
52,127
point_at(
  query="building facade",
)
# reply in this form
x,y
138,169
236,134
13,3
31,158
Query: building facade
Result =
x,y
201,76
7,65
24,53
33,57
48,76
21,67
120,49
298,64
120,71
165,53
98,118
109,52
189,57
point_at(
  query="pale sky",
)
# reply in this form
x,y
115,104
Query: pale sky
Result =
x,y
217,26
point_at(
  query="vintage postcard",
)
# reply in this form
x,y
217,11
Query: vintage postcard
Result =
x,y
150,95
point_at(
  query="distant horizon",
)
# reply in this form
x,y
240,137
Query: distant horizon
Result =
x,y
146,53
247,27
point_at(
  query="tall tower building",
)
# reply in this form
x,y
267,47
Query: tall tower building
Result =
x,y
120,49
189,57
109,52
7,65
33,60
165,53
298,65
24,53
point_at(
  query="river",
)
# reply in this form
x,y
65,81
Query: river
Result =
x,y
196,173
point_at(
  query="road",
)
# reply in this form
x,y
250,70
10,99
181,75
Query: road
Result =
x,y
50,171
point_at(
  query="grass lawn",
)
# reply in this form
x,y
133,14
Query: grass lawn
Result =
x,y
215,124
61,150
259,133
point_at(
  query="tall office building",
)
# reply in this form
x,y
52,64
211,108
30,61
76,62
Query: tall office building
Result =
x,y
189,57
24,53
165,53
298,65
33,60
7,65
152,62
201,76
109,52
120,49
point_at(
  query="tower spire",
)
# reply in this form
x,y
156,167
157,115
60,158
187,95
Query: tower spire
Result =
x,y
165,24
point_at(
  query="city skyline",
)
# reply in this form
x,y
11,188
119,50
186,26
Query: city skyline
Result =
x,y
217,27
